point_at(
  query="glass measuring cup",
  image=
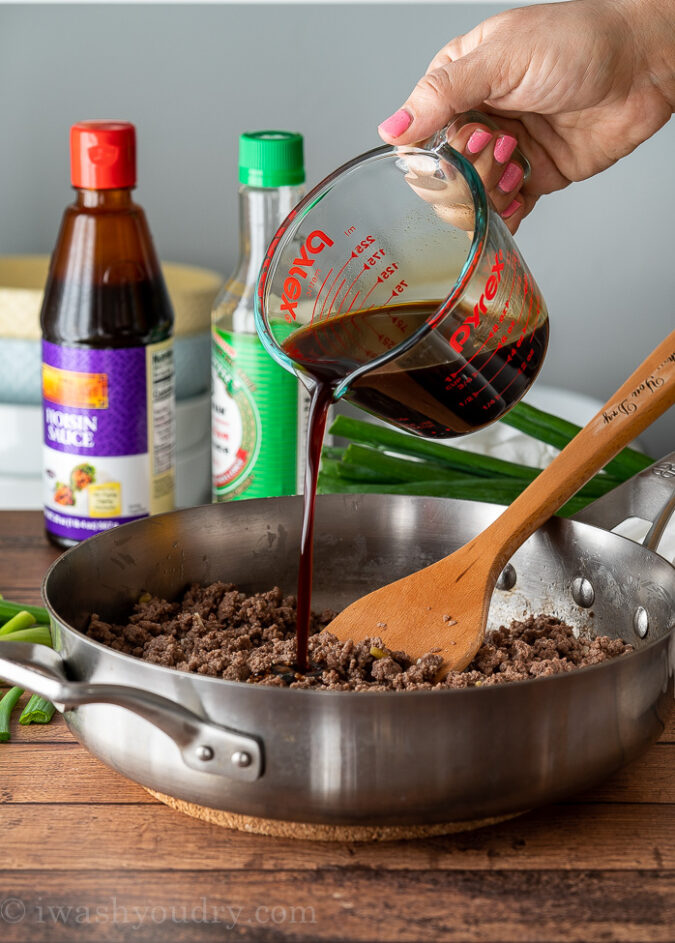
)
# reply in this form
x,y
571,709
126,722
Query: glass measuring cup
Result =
x,y
395,282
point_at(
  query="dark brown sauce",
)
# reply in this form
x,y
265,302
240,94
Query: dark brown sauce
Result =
x,y
131,314
322,396
423,392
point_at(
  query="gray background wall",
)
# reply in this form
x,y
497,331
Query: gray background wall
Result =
x,y
192,77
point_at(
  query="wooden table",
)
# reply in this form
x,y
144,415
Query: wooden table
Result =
x,y
87,855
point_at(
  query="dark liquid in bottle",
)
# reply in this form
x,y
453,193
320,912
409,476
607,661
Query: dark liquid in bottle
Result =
x,y
105,288
132,314
435,398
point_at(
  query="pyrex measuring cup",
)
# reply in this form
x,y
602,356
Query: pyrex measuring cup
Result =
x,y
396,282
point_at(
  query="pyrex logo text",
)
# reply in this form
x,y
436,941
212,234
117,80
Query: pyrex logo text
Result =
x,y
313,245
462,334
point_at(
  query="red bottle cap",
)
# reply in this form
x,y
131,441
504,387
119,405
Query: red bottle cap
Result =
x,y
103,155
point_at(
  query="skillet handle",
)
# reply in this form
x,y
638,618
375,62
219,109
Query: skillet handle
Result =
x,y
204,746
649,495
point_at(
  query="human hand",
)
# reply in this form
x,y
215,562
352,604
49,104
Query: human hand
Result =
x,y
577,85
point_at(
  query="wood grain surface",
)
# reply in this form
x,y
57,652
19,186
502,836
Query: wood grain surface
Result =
x,y
86,855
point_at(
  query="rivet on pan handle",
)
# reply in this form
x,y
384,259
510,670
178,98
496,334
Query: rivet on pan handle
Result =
x,y
204,746
649,495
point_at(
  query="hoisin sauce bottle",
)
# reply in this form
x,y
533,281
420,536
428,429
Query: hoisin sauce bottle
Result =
x,y
107,356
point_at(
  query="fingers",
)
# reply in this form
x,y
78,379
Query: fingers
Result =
x,y
454,87
513,214
520,207
491,152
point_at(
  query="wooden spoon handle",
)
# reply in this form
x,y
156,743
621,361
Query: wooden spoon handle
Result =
x,y
645,395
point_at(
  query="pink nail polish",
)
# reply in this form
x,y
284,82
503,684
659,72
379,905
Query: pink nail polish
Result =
x,y
511,177
505,145
397,123
510,209
478,141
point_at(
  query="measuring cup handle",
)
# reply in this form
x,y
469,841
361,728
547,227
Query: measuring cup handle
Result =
x,y
450,131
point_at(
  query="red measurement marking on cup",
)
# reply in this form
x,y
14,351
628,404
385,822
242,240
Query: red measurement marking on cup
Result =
x,y
376,257
526,288
398,291
352,256
369,293
346,294
521,369
507,361
353,301
358,250
318,294
384,274
501,319
525,292
494,352
536,316
330,309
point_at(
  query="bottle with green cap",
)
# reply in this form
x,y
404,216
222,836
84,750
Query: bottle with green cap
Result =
x,y
256,405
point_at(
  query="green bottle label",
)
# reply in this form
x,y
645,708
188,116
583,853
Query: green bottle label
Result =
x,y
254,410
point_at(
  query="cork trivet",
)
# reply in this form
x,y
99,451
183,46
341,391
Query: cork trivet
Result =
x,y
309,831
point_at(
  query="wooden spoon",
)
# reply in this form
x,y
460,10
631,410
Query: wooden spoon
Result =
x,y
445,605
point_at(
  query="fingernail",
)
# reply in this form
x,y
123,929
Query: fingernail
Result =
x,y
397,123
511,177
477,141
510,209
505,145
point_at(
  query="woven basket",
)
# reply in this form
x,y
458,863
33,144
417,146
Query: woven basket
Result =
x,y
22,278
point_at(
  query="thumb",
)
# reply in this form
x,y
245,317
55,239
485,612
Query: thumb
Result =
x,y
443,92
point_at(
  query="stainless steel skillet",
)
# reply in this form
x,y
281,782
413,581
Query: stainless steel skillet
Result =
x,y
364,758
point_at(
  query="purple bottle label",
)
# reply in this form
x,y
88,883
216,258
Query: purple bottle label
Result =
x,y
108,434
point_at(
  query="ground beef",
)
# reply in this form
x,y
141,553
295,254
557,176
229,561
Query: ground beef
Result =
x,y
220,632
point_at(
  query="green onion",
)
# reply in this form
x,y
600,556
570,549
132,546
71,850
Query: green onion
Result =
x,y
355,472
22,620
10,609
396,468
20,627
332,452
424,467
489,490
38,634
37,711
7,705
559,432
466,462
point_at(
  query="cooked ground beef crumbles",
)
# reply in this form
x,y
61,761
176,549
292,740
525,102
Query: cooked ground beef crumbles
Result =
x,y
220,632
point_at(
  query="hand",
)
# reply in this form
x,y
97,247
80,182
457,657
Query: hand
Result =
x,y
578,85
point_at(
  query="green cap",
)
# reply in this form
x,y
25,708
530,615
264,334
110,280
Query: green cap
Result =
x,y
271,159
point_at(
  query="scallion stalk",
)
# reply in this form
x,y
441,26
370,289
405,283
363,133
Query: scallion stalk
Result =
x,y
37,711
485,466
37,634
7,705
10,609
22,620
559,432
